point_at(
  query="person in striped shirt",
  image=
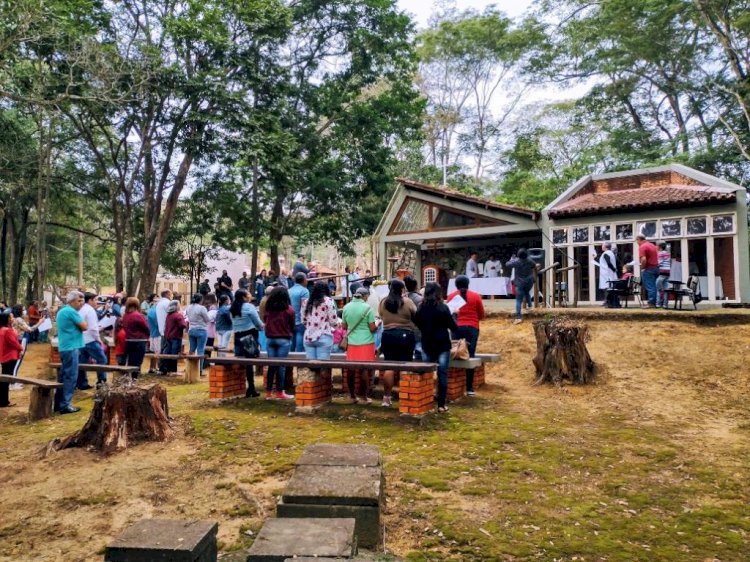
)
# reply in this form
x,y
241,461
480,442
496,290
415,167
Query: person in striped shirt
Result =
x,y
664,258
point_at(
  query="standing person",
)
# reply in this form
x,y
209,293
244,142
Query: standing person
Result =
x,y
436,322
607,273
205,287
398,340
299,266
359,322
225,284
416,298
70,328
260,285
649,260
161,319
244,281
137,334
373,301
469,316
146,304
34,320
10,353
92,351
319,319
198,320
279,320
245,322
283,279
299,294
492,267
472,269
312,272
173,334
154,336
22,328
44,314
524,270
664,257
209,301
224,322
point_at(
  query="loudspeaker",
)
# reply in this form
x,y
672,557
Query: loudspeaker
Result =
x,y
537,254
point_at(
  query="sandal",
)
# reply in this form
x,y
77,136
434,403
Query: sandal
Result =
x,y
442,409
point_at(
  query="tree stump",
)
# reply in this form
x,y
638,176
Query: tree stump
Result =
x,y
122,414
561,352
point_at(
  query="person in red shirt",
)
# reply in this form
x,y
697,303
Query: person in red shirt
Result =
x,y
10,353
649,268
469,316
121,353
136,333
279,319
173,332
34,318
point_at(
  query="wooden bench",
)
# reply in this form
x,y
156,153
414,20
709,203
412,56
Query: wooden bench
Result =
x,y
42,397
88,367
314,386
192,372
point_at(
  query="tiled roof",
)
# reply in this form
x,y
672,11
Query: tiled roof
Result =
x,y
667,196
471,199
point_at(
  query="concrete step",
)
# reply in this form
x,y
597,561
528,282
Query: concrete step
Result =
x,y
280,539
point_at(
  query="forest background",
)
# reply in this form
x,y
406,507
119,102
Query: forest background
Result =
x,y
148,133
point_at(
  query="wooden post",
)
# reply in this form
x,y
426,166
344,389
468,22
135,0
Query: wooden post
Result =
x,y
192,369
41,402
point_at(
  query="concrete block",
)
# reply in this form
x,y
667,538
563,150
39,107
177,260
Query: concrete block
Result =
x,y
368,527
280,539
162,540
327,454
335,485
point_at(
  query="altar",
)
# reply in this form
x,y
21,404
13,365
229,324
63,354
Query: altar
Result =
x,y
486,286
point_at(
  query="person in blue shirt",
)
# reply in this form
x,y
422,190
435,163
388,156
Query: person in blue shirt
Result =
x,y
299,294
154,336
70,328
224,322
245,322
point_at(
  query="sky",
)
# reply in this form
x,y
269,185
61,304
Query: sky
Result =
x,y
422,9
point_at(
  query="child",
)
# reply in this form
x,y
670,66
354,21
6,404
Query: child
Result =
x,y
338,335
627,272
665,267
120,346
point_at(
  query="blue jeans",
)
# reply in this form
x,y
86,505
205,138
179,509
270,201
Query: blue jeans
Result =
x,y
298,340
67,375
277,347
172,347
523,291
471,335
320,349
92,352
662,298
443,360
197,338
648,277
135,351
378,337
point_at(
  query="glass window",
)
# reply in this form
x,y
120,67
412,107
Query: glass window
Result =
x,y
696,225
446,219
671,228
647,228
722,224
415,217
624,231
580,235
560,236
602,233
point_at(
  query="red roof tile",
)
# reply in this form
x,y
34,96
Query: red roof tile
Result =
x,y
471,199
669,196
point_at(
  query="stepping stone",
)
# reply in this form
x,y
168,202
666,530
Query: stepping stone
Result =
x,y
326,454
156,540
337,491
280,539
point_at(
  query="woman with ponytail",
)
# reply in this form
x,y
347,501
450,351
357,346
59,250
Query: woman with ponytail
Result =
x,y
398,340
469,316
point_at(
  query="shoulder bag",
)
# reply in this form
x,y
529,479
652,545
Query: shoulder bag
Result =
x,y
344,343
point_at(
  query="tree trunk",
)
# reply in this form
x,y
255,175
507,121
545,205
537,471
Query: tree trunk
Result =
x,y
277,218
561,352
121,416
3,261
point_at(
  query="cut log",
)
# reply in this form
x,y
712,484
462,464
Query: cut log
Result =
x,y
561,352
122,415
41,400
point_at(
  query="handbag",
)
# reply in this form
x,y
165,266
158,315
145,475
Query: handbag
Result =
x,y
344,343
459,349
250,346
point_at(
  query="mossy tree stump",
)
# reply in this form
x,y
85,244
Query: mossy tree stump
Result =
x,y
123,414
561,352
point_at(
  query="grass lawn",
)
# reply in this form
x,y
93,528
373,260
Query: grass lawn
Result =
x,y
651,463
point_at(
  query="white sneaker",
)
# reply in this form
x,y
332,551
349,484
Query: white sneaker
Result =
x,y
517,320
16,386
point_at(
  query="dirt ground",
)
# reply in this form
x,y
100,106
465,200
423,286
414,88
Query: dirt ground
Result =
x,y
685,385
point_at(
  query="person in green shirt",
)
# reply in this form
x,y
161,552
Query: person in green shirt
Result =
x,y
359,322
70,328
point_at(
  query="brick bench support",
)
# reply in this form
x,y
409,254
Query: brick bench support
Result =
x,y
313,389
416,394
226,381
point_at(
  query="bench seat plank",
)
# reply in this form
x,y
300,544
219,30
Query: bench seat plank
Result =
x,y
413,366
92,367
28,380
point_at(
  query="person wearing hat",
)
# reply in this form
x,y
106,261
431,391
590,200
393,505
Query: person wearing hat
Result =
x,y
173,333
359,323
92,351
